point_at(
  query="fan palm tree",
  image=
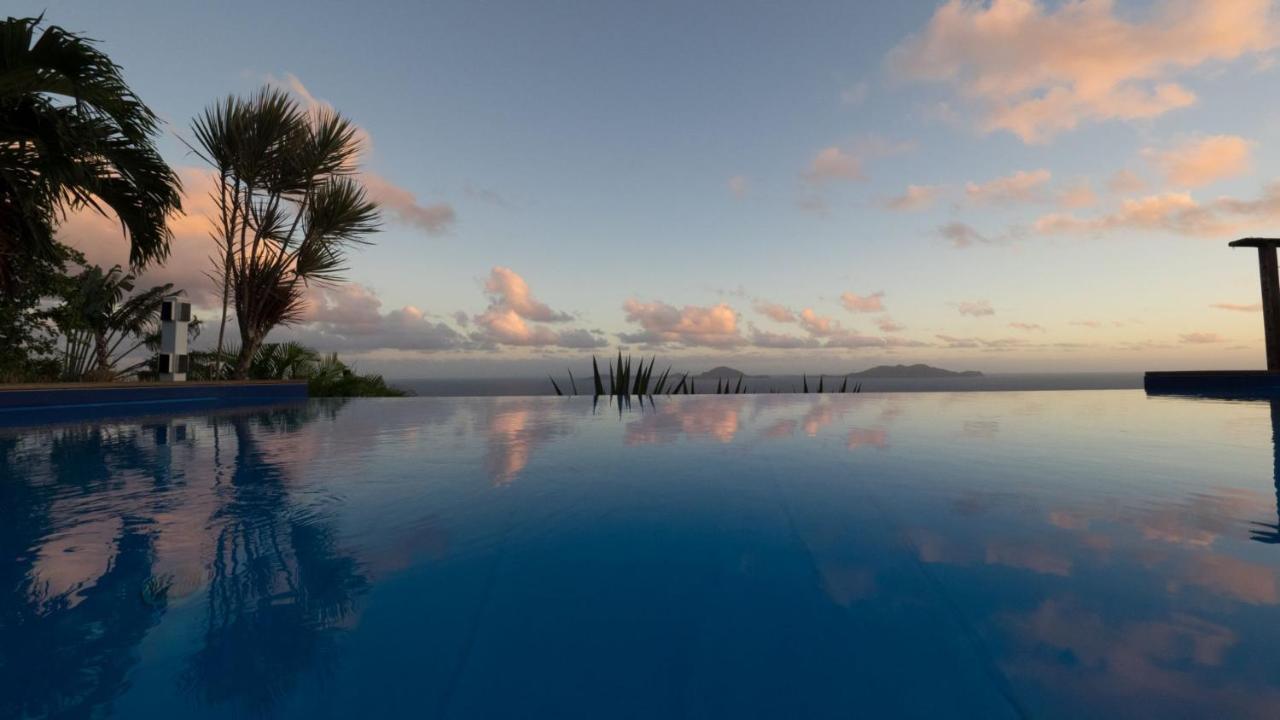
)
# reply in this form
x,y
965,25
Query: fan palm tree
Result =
x,y
73,135
101,327
290,206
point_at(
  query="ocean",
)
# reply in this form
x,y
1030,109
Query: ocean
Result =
x,y
485,387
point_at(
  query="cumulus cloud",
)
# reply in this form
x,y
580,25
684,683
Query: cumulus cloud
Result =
x,y
516,317
916,197
833,164
104,243
844,163
1021,186
1174,212
775,312
975,308
887,324
508,290
863,303
404,207
1238,307
692,325
1201,338
782,341
1201,161
1078,194
817,325
1126,182
1037,70
349,317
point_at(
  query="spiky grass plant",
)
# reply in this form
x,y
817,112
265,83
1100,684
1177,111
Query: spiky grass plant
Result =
x,y
627,377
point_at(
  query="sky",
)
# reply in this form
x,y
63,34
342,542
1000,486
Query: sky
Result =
x,y
1006,186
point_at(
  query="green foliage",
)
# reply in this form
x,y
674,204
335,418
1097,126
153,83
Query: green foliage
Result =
x,y
27,334
289,206
326,375
334,378
102,326
74,135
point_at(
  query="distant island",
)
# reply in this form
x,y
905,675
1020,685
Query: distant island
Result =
x,y
724,372
912,371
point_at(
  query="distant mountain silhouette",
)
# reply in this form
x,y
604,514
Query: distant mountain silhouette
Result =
x,y
912,371
722,372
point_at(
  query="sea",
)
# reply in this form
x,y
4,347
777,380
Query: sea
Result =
x,y
525,386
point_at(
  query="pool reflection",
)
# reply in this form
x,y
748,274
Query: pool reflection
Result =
x,y
1003,555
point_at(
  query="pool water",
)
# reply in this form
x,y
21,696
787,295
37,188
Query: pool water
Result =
x,y
983,555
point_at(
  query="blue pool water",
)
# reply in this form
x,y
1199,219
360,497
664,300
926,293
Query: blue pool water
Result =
x,y
984,555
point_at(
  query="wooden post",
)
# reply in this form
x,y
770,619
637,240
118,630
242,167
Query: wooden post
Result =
x,y
1270,276
1270,279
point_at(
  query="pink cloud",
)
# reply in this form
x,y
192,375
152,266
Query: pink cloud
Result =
x,y
775,312
887,324
1175,212
738,186
832,164
403,205
916,197
1201,338
816,324
1238,307
1202,161
349,317
1037,70
780,341
1125,182
863,303
508,290
1028,327
1077,195
1021,186
975,308
660,323
188,267
516,317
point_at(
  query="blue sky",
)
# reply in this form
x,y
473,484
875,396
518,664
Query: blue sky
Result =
x,y
655,173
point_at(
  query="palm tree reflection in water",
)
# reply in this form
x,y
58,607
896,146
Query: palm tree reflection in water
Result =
x,y
279,586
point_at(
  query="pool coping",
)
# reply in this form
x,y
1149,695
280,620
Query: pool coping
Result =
x,y
87,395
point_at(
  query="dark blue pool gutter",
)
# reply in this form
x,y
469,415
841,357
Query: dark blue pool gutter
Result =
x,y
1216,383
87,395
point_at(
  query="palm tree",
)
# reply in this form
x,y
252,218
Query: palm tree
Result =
x,y
289,206
72,135
101,327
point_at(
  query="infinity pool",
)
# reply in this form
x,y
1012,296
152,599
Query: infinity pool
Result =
x,y
983,555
